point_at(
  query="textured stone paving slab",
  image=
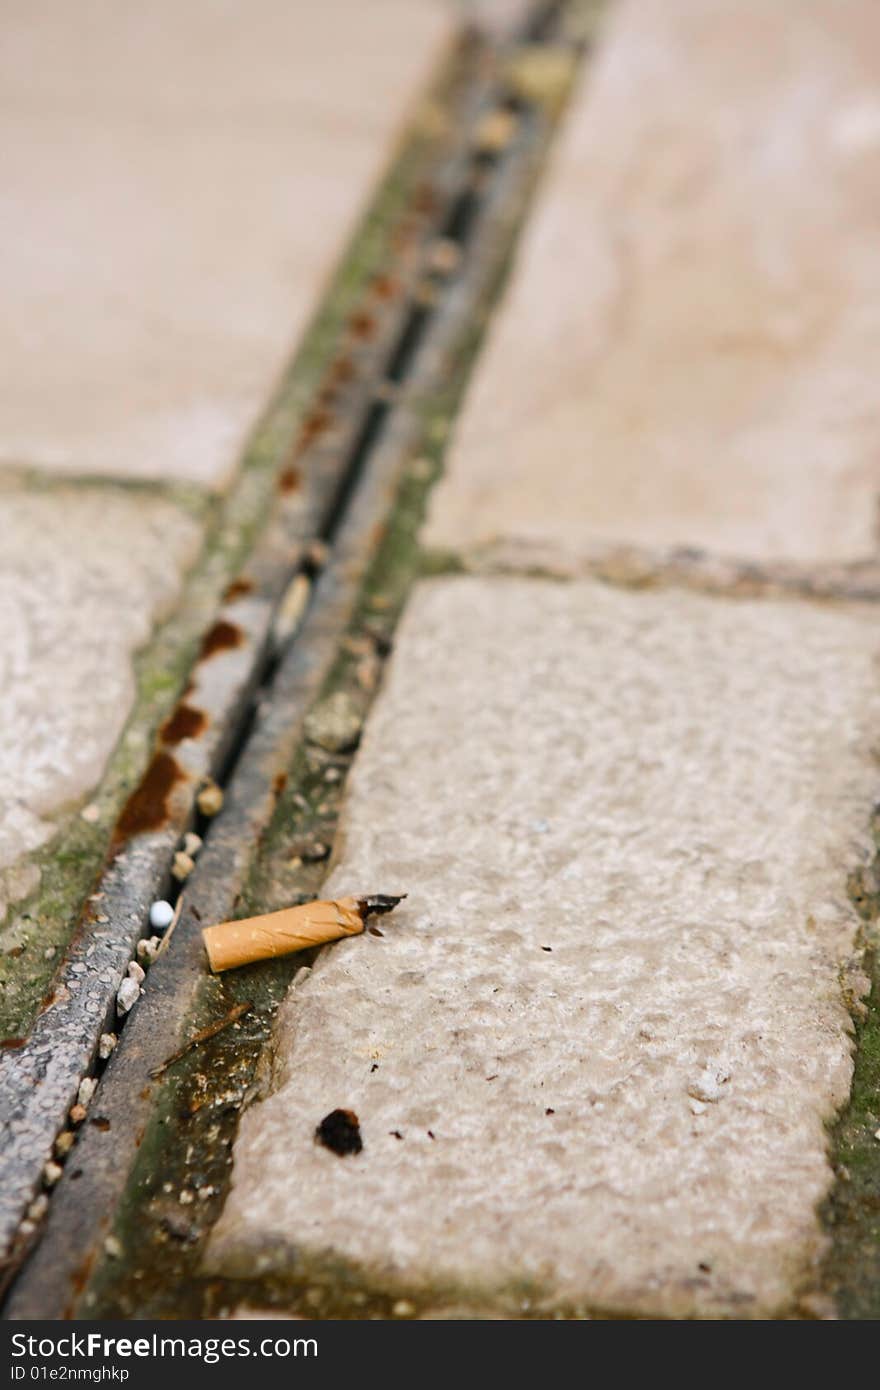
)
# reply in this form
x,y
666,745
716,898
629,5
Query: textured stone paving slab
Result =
x,y
685,356
84,573
178,183
607,1024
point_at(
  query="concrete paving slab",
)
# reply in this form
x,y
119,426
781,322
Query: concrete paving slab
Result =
x,y
594,1053
178,183
685,355
84,573
501,18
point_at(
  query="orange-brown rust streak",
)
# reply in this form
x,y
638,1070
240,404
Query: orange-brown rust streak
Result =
x,y
312,428
185,722
238,589
290,480
385,286
78,1281
425,200
220,638
362,325
147,807
342,371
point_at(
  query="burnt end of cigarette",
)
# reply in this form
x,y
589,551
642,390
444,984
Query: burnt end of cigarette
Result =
x,y
340,1132
378,904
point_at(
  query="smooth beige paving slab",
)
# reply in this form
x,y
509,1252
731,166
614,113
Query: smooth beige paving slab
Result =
x,y
624,823
84,572
178,181
686,355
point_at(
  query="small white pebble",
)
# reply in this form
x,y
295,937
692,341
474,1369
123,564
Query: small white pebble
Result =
x,y
51,1173
127,995
877,1135
147,949
50,952
186,1197
192,843
136,972
38,1207
698,1107
106,1045
210,799
161,915
64,1143
113,1247
90,813
87,1088
183,866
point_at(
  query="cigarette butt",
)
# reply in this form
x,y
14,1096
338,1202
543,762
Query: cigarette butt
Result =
x,y
292,929
495,131
291,608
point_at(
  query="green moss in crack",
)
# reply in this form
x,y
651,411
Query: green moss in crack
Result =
x,y
175,1191
851,1272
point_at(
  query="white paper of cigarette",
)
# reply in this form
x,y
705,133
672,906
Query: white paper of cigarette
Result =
x,y
292,929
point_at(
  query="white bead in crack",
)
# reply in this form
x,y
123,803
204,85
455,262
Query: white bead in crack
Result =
x,y
161,915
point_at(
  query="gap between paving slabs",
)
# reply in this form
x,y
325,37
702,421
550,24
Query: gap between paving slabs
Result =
x,y
850,1277
123,1117
297,472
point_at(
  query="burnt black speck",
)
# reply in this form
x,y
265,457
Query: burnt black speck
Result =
x,y
340,1132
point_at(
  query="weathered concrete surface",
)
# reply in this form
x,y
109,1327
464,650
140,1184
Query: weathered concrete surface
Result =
x,y
625,824
178,182
500,18
686,353
84,573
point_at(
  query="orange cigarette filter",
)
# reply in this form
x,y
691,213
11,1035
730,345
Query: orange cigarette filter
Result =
x,y
292,929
